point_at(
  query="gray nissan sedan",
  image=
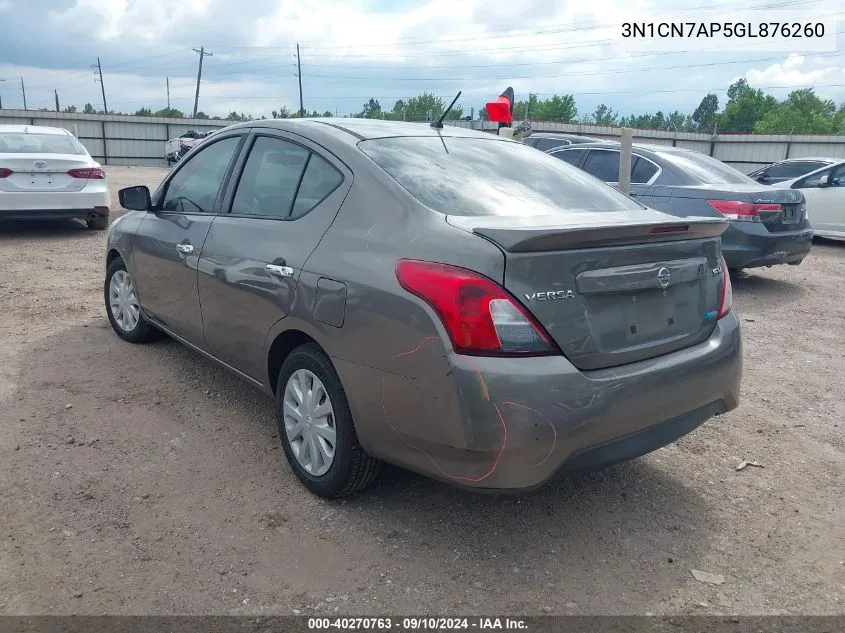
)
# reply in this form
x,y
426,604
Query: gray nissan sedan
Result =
x,y
449,301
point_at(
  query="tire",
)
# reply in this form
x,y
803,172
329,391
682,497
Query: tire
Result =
x,y
100,223
351,469
142,330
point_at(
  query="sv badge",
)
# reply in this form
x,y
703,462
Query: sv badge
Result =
x,y
550,295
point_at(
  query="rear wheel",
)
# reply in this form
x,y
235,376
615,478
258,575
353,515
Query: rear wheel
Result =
x,y
122,306
316,428
100,223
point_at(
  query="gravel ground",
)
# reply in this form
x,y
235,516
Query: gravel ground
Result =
x,y
145,480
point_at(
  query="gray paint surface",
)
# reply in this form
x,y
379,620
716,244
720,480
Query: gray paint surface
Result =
x,y
471,420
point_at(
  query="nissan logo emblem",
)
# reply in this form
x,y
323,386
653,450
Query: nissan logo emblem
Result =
x,y
40,163
663,277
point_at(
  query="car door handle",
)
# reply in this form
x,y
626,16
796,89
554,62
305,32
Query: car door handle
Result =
x,y
185,248
279,271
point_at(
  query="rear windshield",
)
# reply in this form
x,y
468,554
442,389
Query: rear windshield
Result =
x,y
704,169
480,177
35,143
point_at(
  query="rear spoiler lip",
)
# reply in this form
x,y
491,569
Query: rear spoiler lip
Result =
x,y
521,239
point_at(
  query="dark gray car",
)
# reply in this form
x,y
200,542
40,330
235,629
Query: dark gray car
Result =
x,y
449,301
767,226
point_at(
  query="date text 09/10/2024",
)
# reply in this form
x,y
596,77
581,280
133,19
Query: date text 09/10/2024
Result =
x,y
417,624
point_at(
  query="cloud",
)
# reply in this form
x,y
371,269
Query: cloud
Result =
x,y
387,49
798,70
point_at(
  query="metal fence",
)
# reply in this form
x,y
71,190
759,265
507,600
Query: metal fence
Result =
x,y
745,152
115,139
135,140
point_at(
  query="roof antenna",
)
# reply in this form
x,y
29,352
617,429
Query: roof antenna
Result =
x,y
439,122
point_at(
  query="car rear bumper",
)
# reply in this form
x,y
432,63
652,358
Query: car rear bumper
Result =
x,y
749,245
53,214
514,424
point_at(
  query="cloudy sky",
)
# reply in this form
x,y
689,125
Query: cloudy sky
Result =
x,y
387,49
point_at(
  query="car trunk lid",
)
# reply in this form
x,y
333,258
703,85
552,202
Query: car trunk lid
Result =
x,y
42,172
776,208
611,288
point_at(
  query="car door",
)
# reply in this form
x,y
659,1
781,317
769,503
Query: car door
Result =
x,y
826,200
170,237
286,195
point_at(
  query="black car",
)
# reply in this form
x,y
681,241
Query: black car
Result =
x,y
788,169
768,225
547,141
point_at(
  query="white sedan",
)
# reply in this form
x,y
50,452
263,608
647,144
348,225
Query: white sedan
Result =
x,y
46,173
824,192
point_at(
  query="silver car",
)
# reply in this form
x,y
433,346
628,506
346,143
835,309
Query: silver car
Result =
x,y
446,300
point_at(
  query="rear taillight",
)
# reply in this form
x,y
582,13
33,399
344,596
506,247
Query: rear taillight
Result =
x,y
743,211
5,173
89,173
481,318
726,300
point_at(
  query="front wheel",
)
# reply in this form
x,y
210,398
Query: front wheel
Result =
x,y
122,306
316,428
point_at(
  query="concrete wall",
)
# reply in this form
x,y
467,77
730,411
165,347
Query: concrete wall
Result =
x,y
745,152
133,140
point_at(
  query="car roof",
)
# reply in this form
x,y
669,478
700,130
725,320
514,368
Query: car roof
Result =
x,y
354,130
563,135
33,129
803,158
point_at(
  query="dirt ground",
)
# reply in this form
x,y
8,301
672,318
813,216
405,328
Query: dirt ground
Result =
x,y
145,480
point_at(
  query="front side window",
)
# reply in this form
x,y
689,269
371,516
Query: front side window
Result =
x,y
480,177
194,188
813,180
267,186
571,156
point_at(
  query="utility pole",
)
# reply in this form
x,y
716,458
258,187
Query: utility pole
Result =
x,y
99,78
23,93
299,76
202,53
1,97
168,93
56,92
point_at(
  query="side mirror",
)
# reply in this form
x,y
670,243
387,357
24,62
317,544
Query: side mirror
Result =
x,y
824,181
135,198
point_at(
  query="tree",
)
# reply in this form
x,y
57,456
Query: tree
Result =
x,y
558,108
172,113
71,109
677,121
801,113
482,114
603,115
281,113
706,113
746,106
88,109
327,113
144,112
372,110
203,115
418,107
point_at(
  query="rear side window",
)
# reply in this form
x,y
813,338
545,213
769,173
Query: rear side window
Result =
x,y
642,171
35,143
268,183
603,164
320,179
795,169
699,168
480,177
